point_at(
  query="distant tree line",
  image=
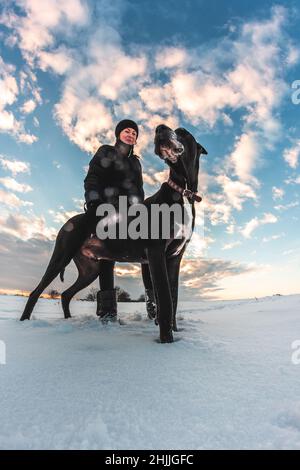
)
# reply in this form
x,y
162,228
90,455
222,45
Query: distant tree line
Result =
x,y
91,296
122,295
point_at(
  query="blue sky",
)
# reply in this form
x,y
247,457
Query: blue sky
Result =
x,y
69,71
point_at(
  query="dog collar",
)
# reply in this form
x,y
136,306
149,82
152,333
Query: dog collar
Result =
x,y
185,192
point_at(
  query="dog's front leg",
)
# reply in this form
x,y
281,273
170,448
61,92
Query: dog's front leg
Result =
x,y
173,267
160,280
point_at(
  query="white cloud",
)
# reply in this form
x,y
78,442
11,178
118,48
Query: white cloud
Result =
x,y
292,180
231,228
291,155
79,203
27,138
252,81
282,207
205,275
13,185
199,98
236,191
288,252
56,164
62,216
83,120
7,121
156,178
133,270
199,277
25,227
15,166
8,88
59,61
158,98
170,57
123,69
11,200
277,193
8,95
198,244
217,209
219,205
293,55
28,106
250,227
254,223
229,246
9,92
34,29
244,155
83,112
273,237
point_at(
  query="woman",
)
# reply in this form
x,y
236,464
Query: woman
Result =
x,y
113,171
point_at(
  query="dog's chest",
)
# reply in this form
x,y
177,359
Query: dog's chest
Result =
x,y
183,231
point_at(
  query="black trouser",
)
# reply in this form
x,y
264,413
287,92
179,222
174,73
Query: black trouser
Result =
x,y
106,274
106,268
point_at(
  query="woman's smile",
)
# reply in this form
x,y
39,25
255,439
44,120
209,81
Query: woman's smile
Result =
x,y
128,136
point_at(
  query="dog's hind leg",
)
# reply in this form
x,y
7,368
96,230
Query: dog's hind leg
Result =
x,y
52,271
69,239
88,270
62,254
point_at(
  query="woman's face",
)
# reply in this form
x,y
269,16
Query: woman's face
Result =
x,y
128,136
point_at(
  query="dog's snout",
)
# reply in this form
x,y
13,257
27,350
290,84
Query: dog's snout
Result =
x,y
161,127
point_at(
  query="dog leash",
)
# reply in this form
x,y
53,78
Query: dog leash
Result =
x,y
184,192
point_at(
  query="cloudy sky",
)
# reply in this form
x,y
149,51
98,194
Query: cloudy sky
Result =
x,y
70,70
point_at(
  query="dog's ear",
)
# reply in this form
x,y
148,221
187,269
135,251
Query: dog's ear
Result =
x,y
201,150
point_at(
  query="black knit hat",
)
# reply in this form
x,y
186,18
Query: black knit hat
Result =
x,y
124,124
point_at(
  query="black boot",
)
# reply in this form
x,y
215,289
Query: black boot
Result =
x,y
107,305
150,303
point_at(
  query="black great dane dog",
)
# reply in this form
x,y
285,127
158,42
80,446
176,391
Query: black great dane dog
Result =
x,y
160,257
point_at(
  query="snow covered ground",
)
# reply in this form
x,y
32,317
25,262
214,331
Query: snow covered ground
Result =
x,y
228,383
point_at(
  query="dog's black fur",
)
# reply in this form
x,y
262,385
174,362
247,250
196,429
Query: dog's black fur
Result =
x,y
162,256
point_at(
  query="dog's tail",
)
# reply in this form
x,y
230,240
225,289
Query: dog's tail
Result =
x,y
61,274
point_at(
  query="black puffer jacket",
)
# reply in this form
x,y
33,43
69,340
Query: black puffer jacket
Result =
x,y
112,174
